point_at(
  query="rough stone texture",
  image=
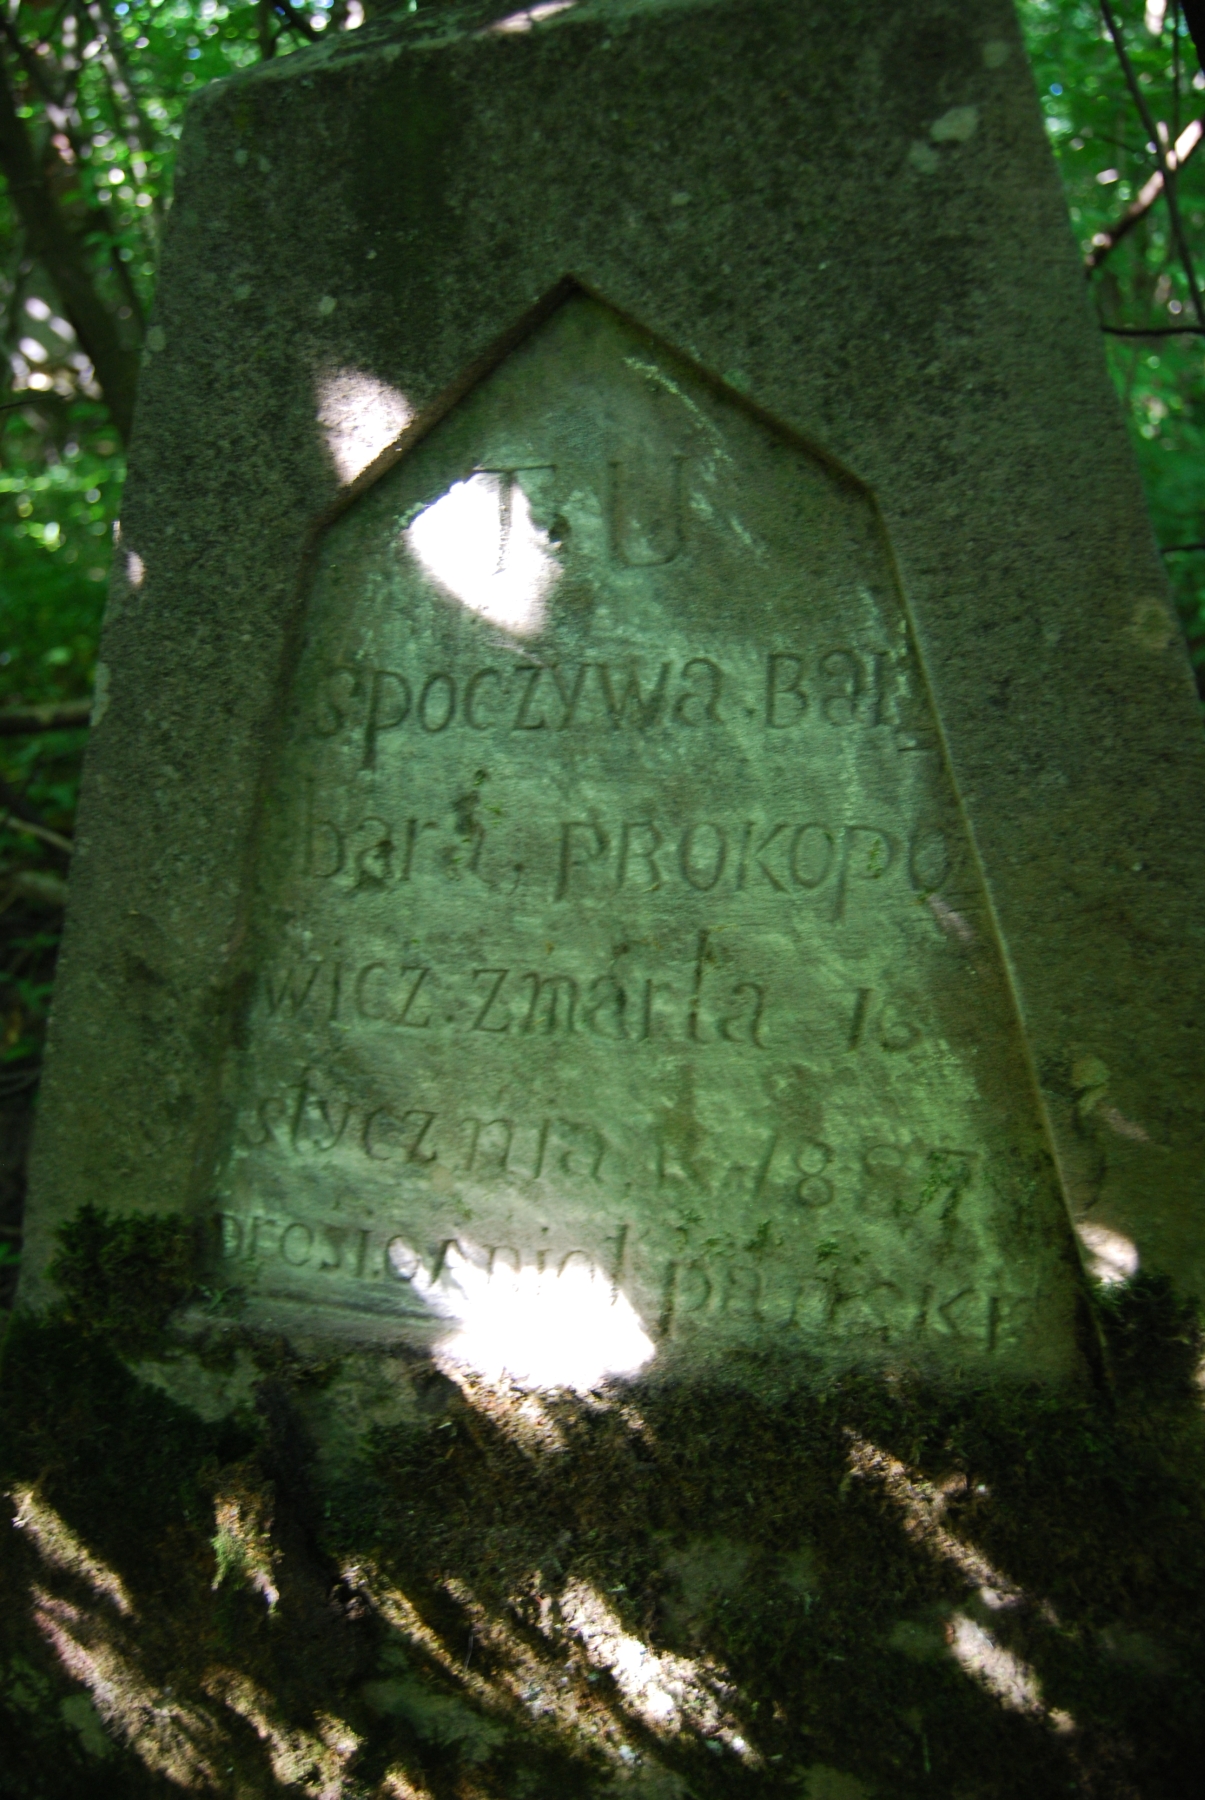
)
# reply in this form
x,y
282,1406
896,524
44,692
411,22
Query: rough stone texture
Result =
x,y
851,219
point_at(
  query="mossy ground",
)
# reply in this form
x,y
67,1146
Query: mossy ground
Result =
x,y
410,1610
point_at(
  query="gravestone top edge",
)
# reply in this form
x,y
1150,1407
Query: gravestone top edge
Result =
x,y
385,38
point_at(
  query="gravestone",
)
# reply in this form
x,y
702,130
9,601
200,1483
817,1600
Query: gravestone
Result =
x,y
608,843
621,955
638,886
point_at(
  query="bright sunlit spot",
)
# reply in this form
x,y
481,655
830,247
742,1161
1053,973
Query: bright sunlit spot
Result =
x,y
480,544
922,1507
666,1692
313,1761
172,1737
58,1545
360,416
562,1327
532,15
1006,1677
522,1676
1112,1258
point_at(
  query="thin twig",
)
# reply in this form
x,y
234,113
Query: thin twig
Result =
x,y
16,804
1175,68
1179,549
23,721
45,36
1122,144
1152,130
53,240
292,17
10,822
1194,18
34,72
121,79
64,106
1146,197
1153,331
10,1085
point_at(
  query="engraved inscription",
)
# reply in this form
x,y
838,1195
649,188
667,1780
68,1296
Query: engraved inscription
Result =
x,y
383,1266
610,855
685,1002
616,923
834,686
647,521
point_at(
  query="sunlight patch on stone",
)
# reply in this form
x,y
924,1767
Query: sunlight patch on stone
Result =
x,y
58,1545
545,1688
922,1505
242,1540
1126,1128
1112,1257
399,1612
666,1693
551,1680
480,544
560,1327
950,921
172,1738
360,416
312,1761
548,1687
518,1414
397,1785
1009,1680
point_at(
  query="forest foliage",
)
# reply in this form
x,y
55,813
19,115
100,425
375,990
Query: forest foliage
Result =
x,y
92,99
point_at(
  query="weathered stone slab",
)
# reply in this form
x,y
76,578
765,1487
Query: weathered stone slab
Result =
x,y
621,954
642,845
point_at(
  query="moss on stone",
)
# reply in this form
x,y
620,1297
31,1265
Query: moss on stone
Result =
x,y
121,1277
714,1527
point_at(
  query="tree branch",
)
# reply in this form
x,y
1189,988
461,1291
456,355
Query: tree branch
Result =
x,y
1169,178
292,17
10,822
1175,69
63,106
121,79
14,808
1153,330
34,71
62,255
24,721
1194,18
1104,241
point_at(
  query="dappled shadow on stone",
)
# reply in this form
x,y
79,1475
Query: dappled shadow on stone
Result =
x,y
377,1581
